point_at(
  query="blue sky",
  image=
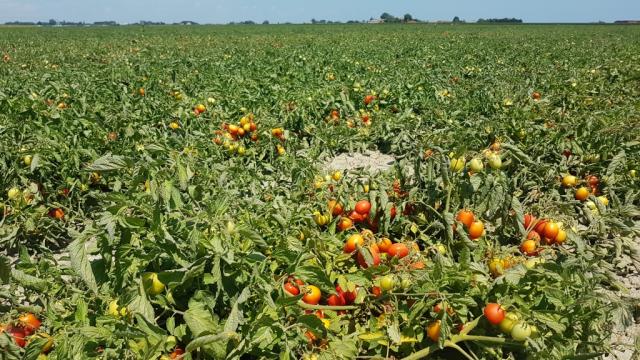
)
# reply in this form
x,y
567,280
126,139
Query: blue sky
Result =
x,y
223,11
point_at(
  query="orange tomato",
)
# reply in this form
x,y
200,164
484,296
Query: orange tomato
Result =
x,y
533,235
335,208
363,207
398,250
312,295
353,242
344,224
433,331
466,217
384,244
476,229
582,193
551,231
528,247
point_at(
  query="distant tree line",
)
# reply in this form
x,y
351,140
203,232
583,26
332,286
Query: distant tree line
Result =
x,y
500,21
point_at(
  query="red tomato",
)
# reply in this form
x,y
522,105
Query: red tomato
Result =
x,y
533,235
398,250
18,334
291,289
29,323
357,217
393,212
349,296
376,291
176,353
494,313
528,220
540,226
476,229
363,207
374,254
336,300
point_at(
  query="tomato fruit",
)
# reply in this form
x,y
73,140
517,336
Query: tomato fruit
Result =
x,y
433,331
466,217
533,235
561,237
29,322
387,283
398,250
456,165
291,289
312,295
336,300
582,193
520,331
569,181
506,325
18,334
335,208
528,220
363,207
349,296
353,242
495,162
494,313
540,226
384,244
176,353
374,254
528,247
551,231
152,285
476,229
476,165
357,217
344,223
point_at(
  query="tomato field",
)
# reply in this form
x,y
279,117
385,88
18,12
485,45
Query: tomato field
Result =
x,y
165,192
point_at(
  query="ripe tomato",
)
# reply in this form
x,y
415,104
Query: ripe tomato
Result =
x,y
528,220
176,353
494,313
376,291
374,254
551,231
353,242
398,250
466,217
533,235
384,244
56,213
19,335
336,300
593,180
349,296
542,223
528,247
582,193
201,108
433,331
29,322
369,99
387,283
535,95
393,212
476,229
312,295
357,217
443,305
335,208
569,181
291,289
344,223
363,207
520,331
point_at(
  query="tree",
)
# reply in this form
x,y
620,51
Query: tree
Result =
x,y
266,22
456,19
53,22
408,17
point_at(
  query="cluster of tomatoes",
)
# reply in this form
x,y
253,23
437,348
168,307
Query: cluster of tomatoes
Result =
x,y
509,322
27,325
230,134
26,197
590,187
278,133
476,164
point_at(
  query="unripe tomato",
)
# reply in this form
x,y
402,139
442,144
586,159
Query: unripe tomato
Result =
x,y
152,285
561,237
27,160
582,193
495,162
398,250
506,325
174,125
476,229
363,207
569,181
603,200
374,254
312,295
456,165
520,331
494,313
496,267
336,176
387,283
335,208
441,249
476,165
14,193
528,247
466,217
433,331
353,242
321,219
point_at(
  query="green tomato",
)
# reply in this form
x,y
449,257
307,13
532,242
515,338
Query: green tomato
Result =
x,y
387,283
27,160
476,165
457,165
13,193
506,325
520,331
632,173
152,284
495,162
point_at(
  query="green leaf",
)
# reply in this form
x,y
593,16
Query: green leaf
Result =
x,y
199,319
235,316
80,262
313,274
29,281
211,339
108,162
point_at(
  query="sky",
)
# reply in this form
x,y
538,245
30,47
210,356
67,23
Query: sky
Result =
x,y
224,11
